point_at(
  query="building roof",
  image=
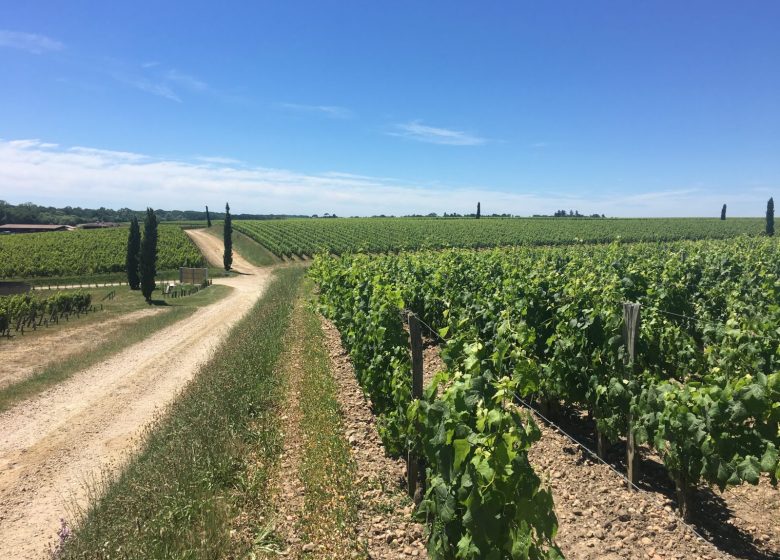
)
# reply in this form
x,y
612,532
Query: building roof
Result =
x,y
52,227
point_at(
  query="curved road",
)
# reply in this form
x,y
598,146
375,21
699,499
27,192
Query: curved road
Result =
x,y
58,443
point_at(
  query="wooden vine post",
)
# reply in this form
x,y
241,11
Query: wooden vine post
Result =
x,y
601,444
415,341
631,320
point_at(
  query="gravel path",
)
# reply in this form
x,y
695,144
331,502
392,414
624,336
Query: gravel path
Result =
x,y
54,446
20,359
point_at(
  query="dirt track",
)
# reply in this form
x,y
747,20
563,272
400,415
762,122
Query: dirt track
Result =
x,y
16,364
56,442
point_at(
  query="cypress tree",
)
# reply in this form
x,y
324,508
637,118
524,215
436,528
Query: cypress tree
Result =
x,y
133,248
149,255
227,258
770,217
478,210
208,217
723,212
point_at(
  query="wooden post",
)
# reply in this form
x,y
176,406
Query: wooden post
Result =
x,y
601,445
415,341
631,333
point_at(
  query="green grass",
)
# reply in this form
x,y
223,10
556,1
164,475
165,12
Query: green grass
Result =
x,y
109,278
327,470
247,247
126,335
203,467
89,279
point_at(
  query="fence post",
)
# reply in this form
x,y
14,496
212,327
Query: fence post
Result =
x,y
631,319
415,341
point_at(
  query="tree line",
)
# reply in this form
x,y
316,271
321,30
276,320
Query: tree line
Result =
x,y
29,213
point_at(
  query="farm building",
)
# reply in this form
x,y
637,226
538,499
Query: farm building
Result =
x,y
31,228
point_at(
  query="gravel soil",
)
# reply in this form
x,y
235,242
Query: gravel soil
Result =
x,y
599,518
385,526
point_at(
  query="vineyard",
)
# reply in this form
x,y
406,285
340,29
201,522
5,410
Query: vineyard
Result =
x,y
27,311
546,325
86,252
286,238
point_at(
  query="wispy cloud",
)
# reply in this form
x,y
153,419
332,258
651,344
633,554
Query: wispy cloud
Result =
x,y
98,153
185,80
219,160
30,42
47,173
331,111
415,130
152,77
159,89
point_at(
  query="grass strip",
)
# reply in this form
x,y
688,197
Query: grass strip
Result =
x,y
126,335
90,280
247,247
198,486
327,470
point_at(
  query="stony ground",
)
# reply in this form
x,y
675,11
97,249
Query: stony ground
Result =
x,y
385,526
599,518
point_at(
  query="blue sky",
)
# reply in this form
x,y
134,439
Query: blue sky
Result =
x,y
626,108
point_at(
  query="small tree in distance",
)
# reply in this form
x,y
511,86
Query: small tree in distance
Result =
x,y
227,259
723,212
149,255
479,212
208,217
133,250
770,217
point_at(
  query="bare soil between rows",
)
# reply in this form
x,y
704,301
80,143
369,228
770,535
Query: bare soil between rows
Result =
x,y
385,525
600,518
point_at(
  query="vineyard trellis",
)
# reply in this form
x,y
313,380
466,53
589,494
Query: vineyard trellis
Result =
x,y
704,396
28,311
291,237
87,252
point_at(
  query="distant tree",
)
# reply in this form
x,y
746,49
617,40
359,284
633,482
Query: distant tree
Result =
x,y
148,266
208,217
723,212
770,217
479,210
133,250
227,258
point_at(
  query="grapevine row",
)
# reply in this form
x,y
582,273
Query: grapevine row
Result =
x,y
23,311
286,238
705,394
85,252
